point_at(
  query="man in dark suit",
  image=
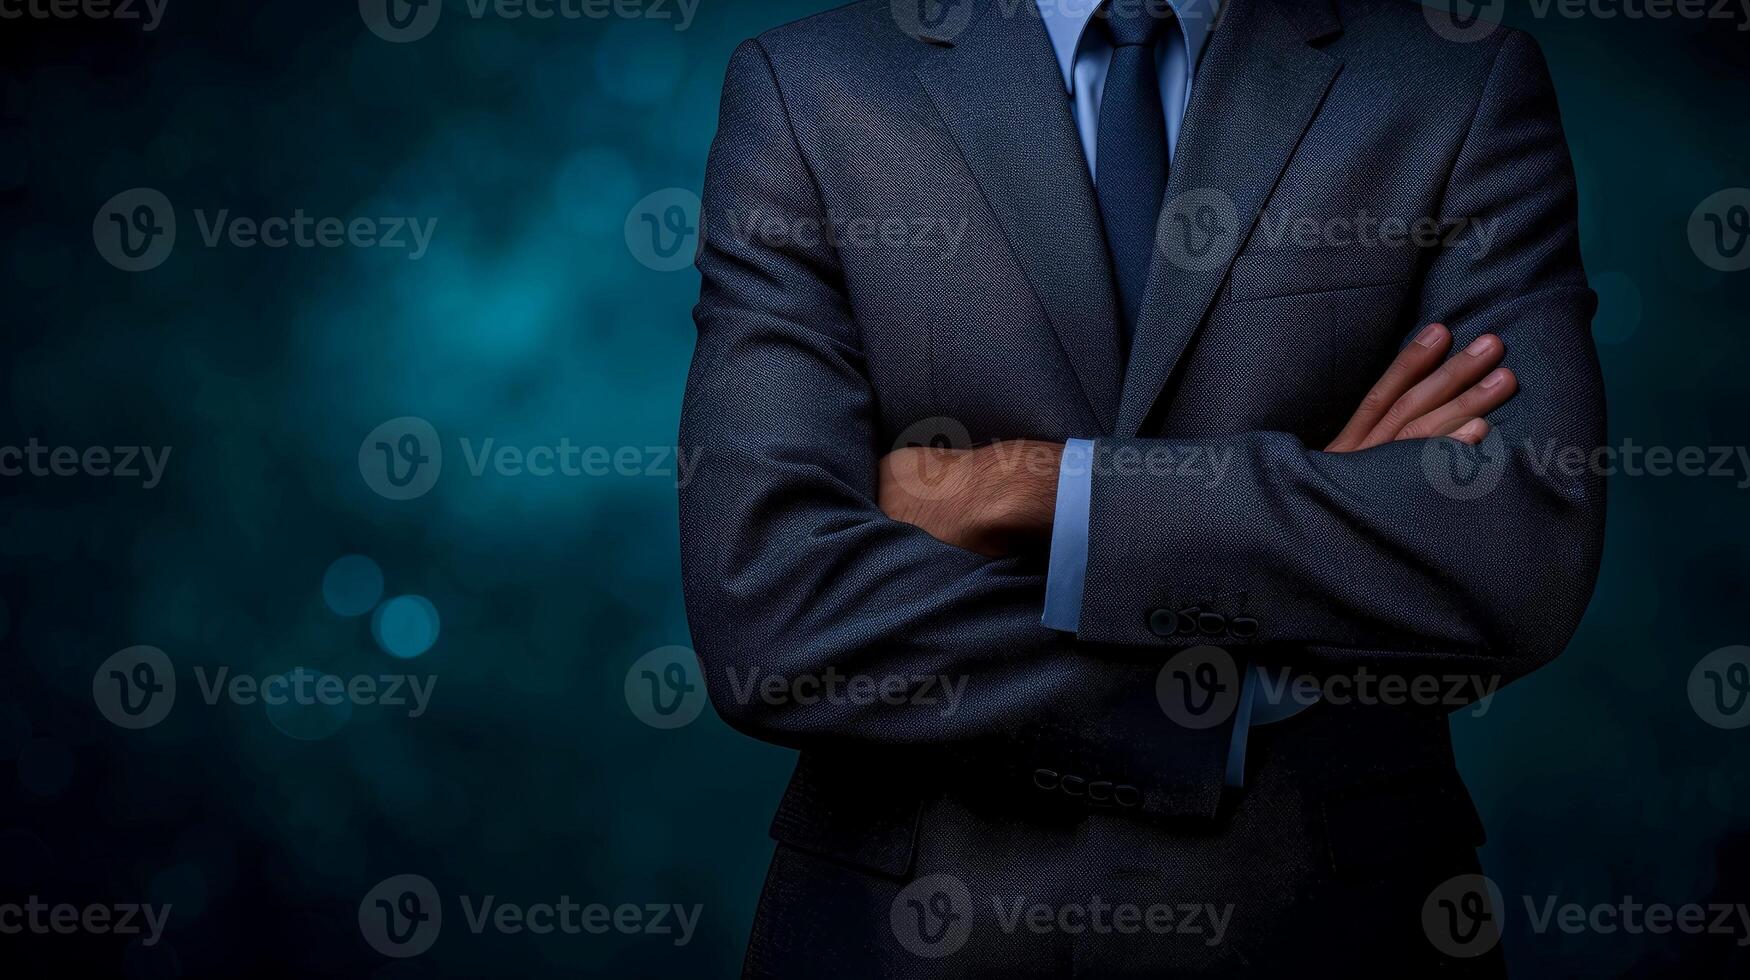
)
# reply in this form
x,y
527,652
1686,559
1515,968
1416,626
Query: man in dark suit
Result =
x,y
1092,365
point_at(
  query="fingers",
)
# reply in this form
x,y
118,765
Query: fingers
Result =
x,y
1420,397
1479,400
1461,371
1411,365
1468,431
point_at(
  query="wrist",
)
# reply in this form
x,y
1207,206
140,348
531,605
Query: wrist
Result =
x,y
1017,488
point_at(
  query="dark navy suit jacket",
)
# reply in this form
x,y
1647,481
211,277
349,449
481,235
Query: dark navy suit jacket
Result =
x,y
899,236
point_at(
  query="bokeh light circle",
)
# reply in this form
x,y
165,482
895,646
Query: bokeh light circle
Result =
x,y
406,626
352,586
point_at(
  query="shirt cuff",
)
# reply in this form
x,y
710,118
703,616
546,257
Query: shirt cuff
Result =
x,y
1236,747
1068,567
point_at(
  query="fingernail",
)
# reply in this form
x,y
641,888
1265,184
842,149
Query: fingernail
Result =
x,y
1480,346
1470,429
1429,336
1494,378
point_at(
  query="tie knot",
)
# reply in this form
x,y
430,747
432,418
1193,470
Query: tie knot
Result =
x,y
1135,22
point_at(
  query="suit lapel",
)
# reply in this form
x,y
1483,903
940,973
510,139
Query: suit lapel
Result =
x,y
1000,92
1257,91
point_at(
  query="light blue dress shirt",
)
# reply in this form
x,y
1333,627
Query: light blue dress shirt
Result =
x,y
1085,56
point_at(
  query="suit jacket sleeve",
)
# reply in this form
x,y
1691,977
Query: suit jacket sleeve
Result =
x,y
790,569
1382,556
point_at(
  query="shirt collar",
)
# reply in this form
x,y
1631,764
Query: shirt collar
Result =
x,y
1067,20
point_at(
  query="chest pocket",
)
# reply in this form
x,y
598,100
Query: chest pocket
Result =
x,y
1260,274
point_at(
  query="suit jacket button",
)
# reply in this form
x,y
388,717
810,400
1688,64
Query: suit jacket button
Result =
x,y
1244,627
1162,622
1125,794
1212,624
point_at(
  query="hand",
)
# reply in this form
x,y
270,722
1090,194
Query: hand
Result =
x,y
1419,397
995,500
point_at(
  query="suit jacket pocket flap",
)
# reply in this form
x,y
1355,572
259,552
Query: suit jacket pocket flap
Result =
x,y
1270,273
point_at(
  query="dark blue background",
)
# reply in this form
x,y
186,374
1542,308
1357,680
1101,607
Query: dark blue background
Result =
x,y
531,320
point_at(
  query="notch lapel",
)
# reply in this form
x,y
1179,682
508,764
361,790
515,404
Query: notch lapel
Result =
x,y
1260,89
1000,92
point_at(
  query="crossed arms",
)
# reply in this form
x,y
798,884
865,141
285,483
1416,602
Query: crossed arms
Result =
x,y
1001,499
794,561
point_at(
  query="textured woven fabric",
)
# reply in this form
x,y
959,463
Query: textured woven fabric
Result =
x,y
893,252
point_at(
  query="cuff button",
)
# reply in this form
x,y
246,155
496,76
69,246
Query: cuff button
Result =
x,y
1188,621
1163,622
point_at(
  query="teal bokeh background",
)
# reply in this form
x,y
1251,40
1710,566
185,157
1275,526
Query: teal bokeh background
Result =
x,y
529,321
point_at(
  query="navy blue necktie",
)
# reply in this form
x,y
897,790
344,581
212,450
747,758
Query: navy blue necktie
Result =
x,y
1131,155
